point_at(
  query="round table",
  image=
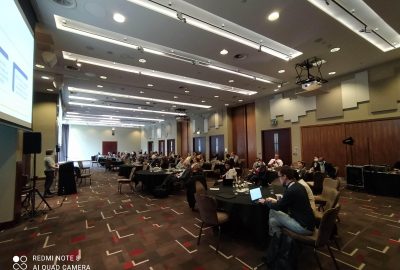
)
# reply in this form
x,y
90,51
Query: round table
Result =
x,y
246,218
125,169
151,179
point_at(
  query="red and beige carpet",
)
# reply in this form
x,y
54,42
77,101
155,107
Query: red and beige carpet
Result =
x,y
102,229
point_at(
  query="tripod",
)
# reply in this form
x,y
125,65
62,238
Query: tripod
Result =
x,y
31,196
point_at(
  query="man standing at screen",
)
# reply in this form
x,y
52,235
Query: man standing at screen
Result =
x,y
49,170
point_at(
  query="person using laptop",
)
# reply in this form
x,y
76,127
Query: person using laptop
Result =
x,y
293,211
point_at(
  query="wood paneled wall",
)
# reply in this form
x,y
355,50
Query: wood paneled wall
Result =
x,y
375,142
244,132
183,130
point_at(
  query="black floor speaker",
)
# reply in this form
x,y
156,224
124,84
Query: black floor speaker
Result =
x,y
32,143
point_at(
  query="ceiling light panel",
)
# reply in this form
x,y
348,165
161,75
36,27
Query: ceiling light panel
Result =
x,y
362,20
147,47
121,108
111,94
200,18
153,73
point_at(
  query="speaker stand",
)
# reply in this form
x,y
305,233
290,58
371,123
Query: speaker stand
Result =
x,y
32,193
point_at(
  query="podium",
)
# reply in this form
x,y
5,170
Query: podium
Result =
x,y
66,179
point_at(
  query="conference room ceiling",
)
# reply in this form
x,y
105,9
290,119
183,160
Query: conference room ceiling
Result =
x,y
301,26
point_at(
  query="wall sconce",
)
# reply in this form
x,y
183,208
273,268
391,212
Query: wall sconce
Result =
x,y
198,131
113,131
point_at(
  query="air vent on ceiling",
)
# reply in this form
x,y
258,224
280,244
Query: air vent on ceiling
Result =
x,y
66,3
240,56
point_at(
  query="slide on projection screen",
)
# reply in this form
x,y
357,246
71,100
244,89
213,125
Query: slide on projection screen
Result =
x,y
16,66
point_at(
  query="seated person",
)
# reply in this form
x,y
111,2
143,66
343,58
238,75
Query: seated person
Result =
x,y
325,167
260,177
275,162
180,165
229,176
301,170
196,175
293,211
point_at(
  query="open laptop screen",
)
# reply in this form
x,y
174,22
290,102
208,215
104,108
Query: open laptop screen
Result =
x,y
255,194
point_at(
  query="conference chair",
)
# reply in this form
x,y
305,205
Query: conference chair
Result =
x,y
80,176
83,169
126,181
326,195
321,236
209,215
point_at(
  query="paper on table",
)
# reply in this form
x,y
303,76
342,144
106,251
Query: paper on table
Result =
x,y
214,188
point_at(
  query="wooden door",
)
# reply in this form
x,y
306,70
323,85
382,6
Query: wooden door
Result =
x,y
170,146
277,141
150,146
110,146
217,146
199,145
161,146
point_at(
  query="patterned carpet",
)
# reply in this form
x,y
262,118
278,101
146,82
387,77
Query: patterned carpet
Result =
x,y
101,229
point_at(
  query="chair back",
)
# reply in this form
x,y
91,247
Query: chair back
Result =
x,y
330,183
207,208
132,173
145,167
327,226
80,164
318,179
77,171
332,197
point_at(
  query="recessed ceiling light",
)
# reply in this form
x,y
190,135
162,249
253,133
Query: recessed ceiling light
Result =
x,y
141,60
273,16
99,86
203,101
147,102
279,85
173,106
103,77
45,78
187,91
281,71
50,90
231,81
216,96
118,17
276,90
175,96
78,64
141,92
39,66
335,49
240,100
332,73
150,85
224,52
226,104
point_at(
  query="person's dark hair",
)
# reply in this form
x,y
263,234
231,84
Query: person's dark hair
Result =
x,y
289,172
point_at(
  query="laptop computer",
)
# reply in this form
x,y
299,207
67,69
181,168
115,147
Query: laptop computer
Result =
x,y
255,194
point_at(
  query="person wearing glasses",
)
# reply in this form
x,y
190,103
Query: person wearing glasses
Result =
x,y
292,211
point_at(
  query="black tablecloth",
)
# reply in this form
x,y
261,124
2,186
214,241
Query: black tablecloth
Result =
x,y
245,217
151,179
125,169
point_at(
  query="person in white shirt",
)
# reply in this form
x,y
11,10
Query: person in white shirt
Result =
x,y
230,175
275,162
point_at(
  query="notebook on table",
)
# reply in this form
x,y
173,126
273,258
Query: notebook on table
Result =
x,y
255,194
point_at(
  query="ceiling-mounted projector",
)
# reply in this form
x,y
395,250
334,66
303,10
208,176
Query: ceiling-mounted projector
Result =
x,y
311,85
